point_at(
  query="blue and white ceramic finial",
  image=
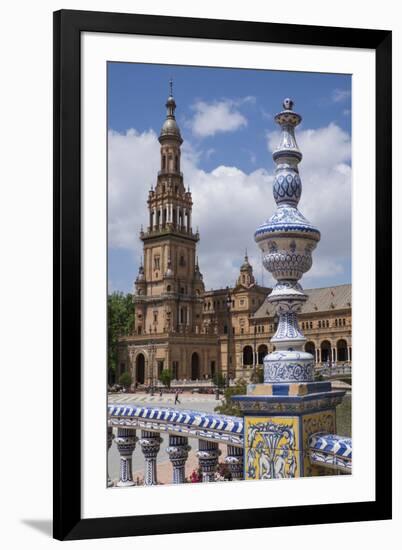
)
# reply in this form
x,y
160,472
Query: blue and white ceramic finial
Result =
x,y
287,240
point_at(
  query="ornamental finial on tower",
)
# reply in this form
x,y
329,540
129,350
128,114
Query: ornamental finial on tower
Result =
x,y
288,104
170,128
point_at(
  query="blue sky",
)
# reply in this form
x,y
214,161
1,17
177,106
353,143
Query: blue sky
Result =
x,y
226,120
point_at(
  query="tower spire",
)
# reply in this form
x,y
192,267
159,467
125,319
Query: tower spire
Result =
x,y
170,129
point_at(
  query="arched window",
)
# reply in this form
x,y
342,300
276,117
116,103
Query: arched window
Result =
x,y
336,322
342,350
176,163
262,352
326,352
195,366
247,355
310,348
140,369
163,162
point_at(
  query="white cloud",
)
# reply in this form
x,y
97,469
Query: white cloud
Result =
x,y
230,204
218,116
339,95
133,164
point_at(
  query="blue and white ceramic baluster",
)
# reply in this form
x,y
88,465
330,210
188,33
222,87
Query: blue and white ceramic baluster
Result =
x,y
150,444
234,460
110,438
208,454
178,453
125,441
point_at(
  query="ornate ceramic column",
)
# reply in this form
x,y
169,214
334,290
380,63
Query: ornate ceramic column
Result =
x,y
208,454
282,413
178,453
287,240
234,460
125,442
110,438
150,444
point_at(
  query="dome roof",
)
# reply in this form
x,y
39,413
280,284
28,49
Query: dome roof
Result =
x,y
246,266
170,128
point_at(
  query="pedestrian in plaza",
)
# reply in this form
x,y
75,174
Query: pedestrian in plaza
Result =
x,y
176,397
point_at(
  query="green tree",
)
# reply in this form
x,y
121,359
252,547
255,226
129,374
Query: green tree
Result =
x,y
257,376
219,380
229,406
125,379
166,377
120,312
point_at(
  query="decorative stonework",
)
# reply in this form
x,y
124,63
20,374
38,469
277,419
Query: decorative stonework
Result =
x,y
287,240
178,453
208,454
110,438
323,421
125,442
150,444
271,448
281,369
331,451
235,462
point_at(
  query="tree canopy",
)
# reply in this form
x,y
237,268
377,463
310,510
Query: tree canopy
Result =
x,y
229,406
120,312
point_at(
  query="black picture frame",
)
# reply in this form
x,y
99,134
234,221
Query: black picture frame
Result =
x,y
68,26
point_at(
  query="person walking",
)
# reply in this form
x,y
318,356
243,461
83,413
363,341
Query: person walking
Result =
x,y
176,397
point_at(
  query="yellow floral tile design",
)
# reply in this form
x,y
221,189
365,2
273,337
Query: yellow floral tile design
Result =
x,y
322,421
272,447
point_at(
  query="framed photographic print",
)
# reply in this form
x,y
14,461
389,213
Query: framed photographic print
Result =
x,y
222,202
